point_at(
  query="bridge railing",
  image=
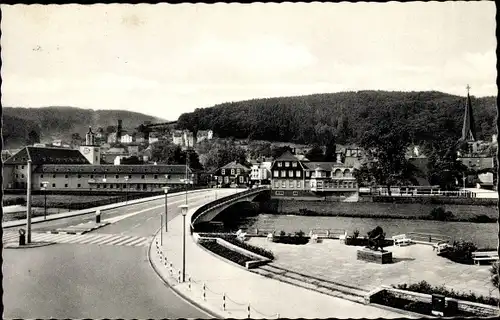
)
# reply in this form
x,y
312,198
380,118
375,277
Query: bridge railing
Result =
x,y
221,201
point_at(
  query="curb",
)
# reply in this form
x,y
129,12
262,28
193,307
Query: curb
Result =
x,y
32,245
178,292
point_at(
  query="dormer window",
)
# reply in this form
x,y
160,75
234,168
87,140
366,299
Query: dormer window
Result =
x,y
287,164
294,164
280,164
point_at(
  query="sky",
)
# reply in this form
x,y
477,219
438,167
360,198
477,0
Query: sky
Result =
x,y
165,60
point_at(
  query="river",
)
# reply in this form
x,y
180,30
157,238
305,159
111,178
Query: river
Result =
x,y
482,234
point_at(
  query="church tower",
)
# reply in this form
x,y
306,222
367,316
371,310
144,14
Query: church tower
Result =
x,y
90,150
469,128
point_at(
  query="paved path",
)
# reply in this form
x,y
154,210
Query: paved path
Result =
x,y
265,297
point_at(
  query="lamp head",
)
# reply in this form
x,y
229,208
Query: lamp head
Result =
x,y
165,189
184,209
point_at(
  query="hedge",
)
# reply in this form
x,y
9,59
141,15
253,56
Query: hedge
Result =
x,y
226,253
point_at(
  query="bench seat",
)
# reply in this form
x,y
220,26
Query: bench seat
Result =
x,y
478,258
400,240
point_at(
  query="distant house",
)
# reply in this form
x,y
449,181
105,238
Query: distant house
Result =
x,y
233,173
177,138
188,138
204,135
126,138
112,137
112,153
153,137
57,143
261,172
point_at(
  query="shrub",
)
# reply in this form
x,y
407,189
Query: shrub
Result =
x,y
14,201
226,253
482,218
494,275
282,233
440,214
299,233
425,287
355,234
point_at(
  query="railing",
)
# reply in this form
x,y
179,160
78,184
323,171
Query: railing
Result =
x,y
220,201
327,233
428,237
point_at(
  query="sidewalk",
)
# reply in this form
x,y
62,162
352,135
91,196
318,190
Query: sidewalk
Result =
x,y
246,294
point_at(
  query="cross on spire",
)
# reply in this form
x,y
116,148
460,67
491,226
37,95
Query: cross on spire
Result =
x,y
468,88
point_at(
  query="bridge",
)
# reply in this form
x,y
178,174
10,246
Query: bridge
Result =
x,y
209,211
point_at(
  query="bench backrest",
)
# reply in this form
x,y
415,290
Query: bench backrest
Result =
x,y
399,237
484,253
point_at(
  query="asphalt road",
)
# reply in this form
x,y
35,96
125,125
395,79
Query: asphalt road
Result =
x,y
96,281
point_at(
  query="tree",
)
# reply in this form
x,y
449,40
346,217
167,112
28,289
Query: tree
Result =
x,y
315,154
164,152
386,145
444,169
278,151
33,137
222,154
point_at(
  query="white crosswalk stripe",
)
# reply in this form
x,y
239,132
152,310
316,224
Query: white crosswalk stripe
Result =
x,y
91,239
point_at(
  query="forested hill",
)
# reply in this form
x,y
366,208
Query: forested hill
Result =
x,y
346,115
60,122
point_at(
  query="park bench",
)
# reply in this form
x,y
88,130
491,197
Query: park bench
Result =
x,y
401,240
441,247
314,238
241,235
270,237
342,237
488,256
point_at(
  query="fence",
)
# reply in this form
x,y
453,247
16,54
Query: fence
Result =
x,y
200,290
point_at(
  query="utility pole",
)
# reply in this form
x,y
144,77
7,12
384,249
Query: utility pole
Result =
x,y
187,164
28,204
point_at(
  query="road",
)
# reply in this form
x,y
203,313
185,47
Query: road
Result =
x,y
93,280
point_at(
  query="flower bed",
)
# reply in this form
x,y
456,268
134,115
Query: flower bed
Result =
x,y
424,287
390,299
291,240
363,242
226,253
233,240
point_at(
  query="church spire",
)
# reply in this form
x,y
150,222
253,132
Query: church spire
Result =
x,y
469,128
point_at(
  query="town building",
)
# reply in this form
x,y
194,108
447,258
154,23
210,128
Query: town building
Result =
x,y
233,174
188,137
292,178
126,138
153,138
261,173
112,138
177,138
204,135
90,150
112,153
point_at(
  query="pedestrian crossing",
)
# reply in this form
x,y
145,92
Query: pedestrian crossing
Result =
x,y
95,239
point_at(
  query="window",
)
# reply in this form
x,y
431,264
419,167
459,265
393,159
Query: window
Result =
x,y
65,185
290,173
111,186
287,164
283,184
291,184
143,176
66,176
130,176
22,167
276,184
283,173
117,176
91,176
98,186
241,179
295,193
53,176
223,171
41,176
294,164
232,171
79,185
53,185
22,175
280,164
307,174
297,173
279,193
41,185
298,184
276,173
156,176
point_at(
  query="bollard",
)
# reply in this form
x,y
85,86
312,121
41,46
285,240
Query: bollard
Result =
x,y
204,294
98,216
189,283
22,237
171,269
430,238
179,278
248,309
224,302
165,263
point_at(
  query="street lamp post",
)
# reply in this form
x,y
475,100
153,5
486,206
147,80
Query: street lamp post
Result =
x,y
44,188
184,210
126,189
165,189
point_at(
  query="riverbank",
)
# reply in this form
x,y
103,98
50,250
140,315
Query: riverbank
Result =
x,y
408,211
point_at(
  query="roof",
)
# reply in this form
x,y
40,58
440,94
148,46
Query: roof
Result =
x,y
109,168
117,150
469,127
44,155
327,166
235,165
287,156
302,157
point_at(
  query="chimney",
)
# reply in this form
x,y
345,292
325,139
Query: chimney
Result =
x,y
119,130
